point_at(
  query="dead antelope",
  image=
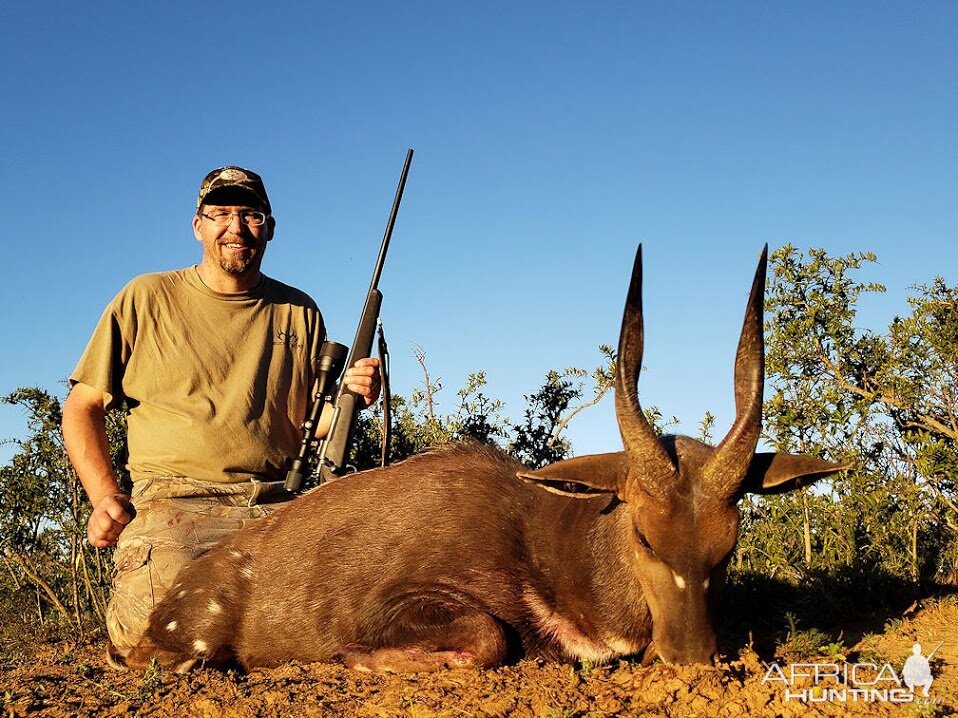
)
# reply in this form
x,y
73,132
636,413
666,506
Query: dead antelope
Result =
x,y
463,557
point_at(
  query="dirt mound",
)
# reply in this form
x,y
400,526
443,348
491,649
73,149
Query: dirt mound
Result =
x,y
62,679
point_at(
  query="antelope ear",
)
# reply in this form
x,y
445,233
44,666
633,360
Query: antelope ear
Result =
x,y
773,473
582,477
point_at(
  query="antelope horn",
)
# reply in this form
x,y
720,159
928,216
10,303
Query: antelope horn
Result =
x,y
725,470
650,463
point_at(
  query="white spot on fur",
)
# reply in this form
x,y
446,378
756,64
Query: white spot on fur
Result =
x,y
185,666
705,584
214,607
238,555
247,571
181,593
575,642
171,626
199,646
679,581
197,590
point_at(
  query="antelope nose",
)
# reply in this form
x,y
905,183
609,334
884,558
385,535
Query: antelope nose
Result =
x,y
704,652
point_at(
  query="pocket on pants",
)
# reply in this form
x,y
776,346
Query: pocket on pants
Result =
x,y
132,598
144,572
130,558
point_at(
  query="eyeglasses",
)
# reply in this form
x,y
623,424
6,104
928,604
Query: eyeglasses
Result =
x,y
222,218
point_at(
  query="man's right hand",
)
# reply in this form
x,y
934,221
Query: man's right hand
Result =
x,y
110,516
84,435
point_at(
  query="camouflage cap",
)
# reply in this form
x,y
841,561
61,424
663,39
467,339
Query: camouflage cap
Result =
x,y
234,178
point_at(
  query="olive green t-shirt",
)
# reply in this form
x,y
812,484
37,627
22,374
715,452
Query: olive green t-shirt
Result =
x,y
217,384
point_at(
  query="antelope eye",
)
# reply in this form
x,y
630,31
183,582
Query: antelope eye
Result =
x,y
643,541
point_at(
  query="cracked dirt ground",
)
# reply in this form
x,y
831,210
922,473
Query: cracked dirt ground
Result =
x,y
70,679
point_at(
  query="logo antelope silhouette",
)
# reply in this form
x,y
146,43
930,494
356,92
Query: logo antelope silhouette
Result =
x,y
463,557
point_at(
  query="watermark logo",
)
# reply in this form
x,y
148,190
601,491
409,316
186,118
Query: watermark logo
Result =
x,y
917,670
856,682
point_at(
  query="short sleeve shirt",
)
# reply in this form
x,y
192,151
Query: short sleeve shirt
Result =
x,y
217,384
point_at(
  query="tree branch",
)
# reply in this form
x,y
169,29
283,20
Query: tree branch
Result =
x,y
928,422
38,581
562,423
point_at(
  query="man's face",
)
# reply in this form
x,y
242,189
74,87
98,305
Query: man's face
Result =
x,y
237,248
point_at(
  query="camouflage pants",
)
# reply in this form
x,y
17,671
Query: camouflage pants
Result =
x,y
177,520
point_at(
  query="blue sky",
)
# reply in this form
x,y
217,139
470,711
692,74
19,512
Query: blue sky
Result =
x,y
551,138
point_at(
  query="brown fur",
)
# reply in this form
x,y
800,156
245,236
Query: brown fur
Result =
x,y
450,538
462,556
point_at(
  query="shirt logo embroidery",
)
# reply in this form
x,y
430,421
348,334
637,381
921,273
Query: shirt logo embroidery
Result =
x,y
289,339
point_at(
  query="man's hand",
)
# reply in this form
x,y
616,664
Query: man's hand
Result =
x,y
363,378
110,516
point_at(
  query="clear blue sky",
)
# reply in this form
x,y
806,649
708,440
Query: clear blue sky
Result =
x,y
550,138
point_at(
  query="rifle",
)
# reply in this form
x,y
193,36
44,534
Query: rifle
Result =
x,y
346,405
332,357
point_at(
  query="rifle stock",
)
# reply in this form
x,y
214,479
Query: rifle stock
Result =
x,y
334,449
332,358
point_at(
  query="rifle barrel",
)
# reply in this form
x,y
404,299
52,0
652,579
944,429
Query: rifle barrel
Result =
x,y
381,260
333,449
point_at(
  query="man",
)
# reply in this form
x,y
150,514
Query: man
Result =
x,y
216,363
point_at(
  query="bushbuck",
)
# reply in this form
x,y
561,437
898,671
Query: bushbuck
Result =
x,y
463,557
